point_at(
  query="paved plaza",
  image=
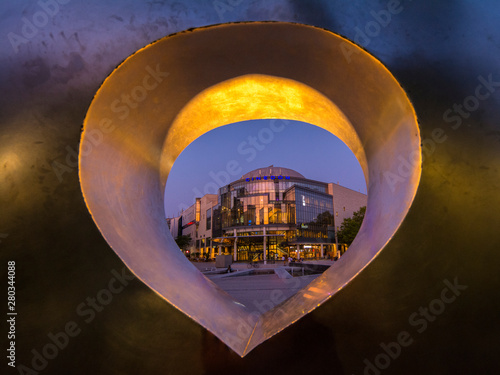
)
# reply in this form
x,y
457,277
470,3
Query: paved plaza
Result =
x,y
259,292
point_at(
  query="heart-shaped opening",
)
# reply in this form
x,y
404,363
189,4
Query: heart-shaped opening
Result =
x,y
173,91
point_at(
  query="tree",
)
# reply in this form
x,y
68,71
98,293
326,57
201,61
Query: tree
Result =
x,y
350,226
183,241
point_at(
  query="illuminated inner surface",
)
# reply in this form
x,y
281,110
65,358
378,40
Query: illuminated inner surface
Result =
x,y
254,97
257,70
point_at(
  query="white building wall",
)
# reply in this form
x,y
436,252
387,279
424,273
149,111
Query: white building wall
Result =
x,y
173,225
345,202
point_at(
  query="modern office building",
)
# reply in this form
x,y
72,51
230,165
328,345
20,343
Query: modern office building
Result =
x,y
269,213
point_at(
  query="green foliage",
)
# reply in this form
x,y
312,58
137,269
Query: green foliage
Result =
x,y
350,227
183,241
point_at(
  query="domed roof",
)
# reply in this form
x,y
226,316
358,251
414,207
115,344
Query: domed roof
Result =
x,y
272,171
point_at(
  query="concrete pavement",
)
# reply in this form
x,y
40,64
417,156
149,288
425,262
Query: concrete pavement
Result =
x,y
260,292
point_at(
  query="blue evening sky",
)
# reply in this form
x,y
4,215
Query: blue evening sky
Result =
x,y
245,146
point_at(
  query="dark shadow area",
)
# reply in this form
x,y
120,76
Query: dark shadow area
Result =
x,y
308,348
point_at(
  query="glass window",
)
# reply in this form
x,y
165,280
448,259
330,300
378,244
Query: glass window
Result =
x,y
209,219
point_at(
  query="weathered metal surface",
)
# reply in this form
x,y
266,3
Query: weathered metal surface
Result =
x,y
357,100
440,52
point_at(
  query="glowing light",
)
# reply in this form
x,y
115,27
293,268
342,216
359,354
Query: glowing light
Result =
x,y
254,97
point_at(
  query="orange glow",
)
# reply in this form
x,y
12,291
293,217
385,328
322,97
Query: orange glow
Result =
x,y
253,97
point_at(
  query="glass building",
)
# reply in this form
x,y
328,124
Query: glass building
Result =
x,y
273,212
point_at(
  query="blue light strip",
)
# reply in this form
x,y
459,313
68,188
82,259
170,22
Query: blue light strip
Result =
x,y
268,177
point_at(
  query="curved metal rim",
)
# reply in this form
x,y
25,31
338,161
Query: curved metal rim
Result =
x,y
120,177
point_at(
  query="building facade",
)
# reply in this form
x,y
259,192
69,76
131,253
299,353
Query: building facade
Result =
x,y
267,214
203,237
345,202
175,226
